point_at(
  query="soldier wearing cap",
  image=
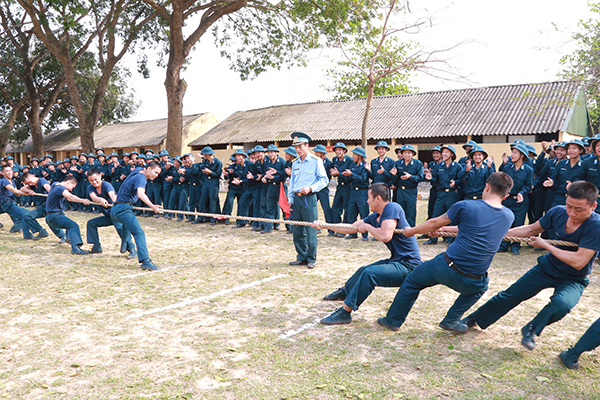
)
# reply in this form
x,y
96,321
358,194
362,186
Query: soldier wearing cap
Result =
x,y
274,177
559,151
339,163
518,198
467,147
380,168
166,163
290,156
260,204
477,172
359,177
323,194
591,166
213,167
407,174
566,171
194,176
445,176
251,193
436,154
235,173
153,188
588,149
178,178
308,177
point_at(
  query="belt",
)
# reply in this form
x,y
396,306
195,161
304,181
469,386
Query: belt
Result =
x,y
514,197
473,197
447,190
53,212
194,184
406,187
274,183
343,183
460,271
303,195
359,188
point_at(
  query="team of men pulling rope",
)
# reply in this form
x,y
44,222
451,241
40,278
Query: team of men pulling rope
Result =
x,y
490,219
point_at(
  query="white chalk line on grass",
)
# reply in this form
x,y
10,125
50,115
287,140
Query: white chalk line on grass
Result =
x,y
150,272
203,298
301,329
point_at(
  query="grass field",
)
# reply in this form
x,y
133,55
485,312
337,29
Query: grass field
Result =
x,y
228,318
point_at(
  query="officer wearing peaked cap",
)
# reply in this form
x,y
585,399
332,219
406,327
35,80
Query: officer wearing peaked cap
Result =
x,y
323,194
308,177
339,163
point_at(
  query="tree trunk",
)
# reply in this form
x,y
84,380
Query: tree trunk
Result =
x,y
371,89
6,131
174,85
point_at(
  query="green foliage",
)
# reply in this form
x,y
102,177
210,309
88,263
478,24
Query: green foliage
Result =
x,y
351,81
583,65
257,38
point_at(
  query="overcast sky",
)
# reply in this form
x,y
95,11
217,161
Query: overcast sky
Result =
x,y
510,42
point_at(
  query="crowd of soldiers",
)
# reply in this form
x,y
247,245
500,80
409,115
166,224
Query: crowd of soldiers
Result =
x,y
257,180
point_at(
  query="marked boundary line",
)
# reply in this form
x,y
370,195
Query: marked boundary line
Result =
x,y
304,327
150,272
210,296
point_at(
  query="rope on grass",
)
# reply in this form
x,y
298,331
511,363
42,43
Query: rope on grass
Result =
x,y
324,225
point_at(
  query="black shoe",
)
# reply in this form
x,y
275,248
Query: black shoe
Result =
x,y
257,229
337,294
196,222
43,234
501,250
96,249
338,317
429,242
366,239
227,222
383,322
123,248
310,265
374,240
469,321
423,237
298,262
568,359
132,254
339,235
213,223
289,232
331,234
190,220
77,250
515,251
265,231
528,341
238,226
351,237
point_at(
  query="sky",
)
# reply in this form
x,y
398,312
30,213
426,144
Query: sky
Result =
x,y
503,43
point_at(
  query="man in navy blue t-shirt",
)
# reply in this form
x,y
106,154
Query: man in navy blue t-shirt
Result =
x,y
103,192
132,189
8,198
564,268
55,206
405,257
481,226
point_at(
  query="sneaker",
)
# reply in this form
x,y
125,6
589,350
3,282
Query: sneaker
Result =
x,y
429,242
383,322
568,359
132,254
469,321
528,341
338,317
456,327
96,249
43,234
148,265
337,294
77,250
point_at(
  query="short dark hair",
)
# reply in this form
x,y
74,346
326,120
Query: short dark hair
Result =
x,y
25,176
583,190
93,171
381,190
6,166
152,164
500,183
70,179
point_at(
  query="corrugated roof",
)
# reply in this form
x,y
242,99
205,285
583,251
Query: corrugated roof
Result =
x,y
121,135
497,110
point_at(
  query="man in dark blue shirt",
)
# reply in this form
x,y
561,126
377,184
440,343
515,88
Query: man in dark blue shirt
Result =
x,y
55,206
564,268
41,186
132,189
391,272
359,176
273,178
8,199
103,192
463,267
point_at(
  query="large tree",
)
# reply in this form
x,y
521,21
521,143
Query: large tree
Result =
x,y
71,29
253,34
583,65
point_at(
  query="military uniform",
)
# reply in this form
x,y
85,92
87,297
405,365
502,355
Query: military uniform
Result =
x,y
358,193
342,192
407,189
